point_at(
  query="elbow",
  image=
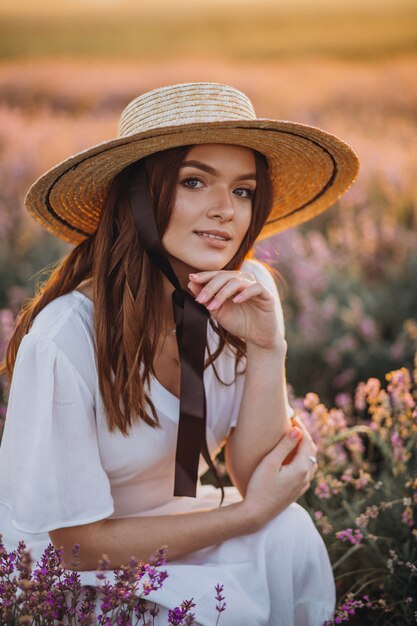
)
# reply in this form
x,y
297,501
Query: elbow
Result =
x,y
79,545
241,485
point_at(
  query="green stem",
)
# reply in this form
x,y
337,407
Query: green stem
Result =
x,y
356,571
350,590
350,511
369,582
346,555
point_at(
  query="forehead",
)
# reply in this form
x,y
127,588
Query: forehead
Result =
x,y
219,152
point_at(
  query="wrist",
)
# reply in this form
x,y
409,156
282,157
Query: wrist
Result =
x,y
277,348
250,517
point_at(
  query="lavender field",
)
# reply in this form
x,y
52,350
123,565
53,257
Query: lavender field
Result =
x,y
348,276
347,279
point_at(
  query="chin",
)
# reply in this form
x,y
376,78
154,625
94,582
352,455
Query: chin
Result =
x,y
191,265
210,266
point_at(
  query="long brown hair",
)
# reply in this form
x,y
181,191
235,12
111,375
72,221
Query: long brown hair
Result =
x,y
127,289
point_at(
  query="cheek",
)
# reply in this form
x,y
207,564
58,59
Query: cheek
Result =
x,y
184,208
177,225
246,222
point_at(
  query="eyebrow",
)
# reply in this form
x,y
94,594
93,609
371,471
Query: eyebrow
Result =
x,y
210,170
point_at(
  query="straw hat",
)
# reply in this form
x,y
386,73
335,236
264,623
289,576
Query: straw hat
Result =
x,y
310,169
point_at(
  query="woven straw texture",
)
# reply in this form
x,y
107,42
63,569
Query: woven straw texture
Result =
x,y
310,169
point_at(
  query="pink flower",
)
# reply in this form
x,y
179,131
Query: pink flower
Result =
x,y
353,536
322,491
407,516
311,401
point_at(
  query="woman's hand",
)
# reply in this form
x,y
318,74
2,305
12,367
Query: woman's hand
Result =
x,y
273,486
240,304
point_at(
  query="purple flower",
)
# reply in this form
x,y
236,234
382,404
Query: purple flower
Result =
x,y
354,536
177,615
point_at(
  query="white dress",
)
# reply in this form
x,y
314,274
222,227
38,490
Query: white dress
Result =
x,y
60,466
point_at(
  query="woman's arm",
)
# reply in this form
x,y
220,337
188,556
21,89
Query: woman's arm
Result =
x,y
271,489
122,538
262,417
248,305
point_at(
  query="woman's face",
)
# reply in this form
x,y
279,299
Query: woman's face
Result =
x,y
212,207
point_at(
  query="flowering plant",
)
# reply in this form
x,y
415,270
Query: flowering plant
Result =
x,y
364,496
51,595
349,313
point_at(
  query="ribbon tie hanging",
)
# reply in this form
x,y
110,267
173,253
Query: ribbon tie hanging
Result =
x,y
191,320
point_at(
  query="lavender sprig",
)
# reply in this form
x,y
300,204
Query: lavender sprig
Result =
x,y
51,594
220,606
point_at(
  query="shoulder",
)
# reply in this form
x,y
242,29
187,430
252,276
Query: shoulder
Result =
x,y
64,330
67,318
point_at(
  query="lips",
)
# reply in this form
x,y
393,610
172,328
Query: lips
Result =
x,y
218,235
213,239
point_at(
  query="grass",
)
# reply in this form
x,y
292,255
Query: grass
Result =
x,y
243,33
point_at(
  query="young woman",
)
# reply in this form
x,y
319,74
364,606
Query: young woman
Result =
x,y
158,339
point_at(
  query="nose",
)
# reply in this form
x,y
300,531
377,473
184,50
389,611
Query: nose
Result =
x,y
221,205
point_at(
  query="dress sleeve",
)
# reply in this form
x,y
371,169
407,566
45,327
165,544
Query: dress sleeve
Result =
x,y
50,454
263,276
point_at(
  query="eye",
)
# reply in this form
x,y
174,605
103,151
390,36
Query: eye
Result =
x,y
245,192
192,183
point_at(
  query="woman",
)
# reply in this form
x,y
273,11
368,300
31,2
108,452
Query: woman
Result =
x,y
157,339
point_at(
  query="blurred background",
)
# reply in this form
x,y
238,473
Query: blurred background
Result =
x,y
348,278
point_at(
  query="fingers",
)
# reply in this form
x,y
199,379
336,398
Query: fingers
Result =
x,y
284,446
194,288
219,286
241,292
204,277
307,439
306,453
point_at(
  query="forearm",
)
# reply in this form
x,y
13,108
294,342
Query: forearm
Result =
x,y
140,537
262,419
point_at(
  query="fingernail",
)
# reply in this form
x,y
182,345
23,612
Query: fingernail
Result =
x,y
294,433
202,297
192,275
213,305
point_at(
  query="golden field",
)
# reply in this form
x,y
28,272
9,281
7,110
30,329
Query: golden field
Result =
x,y
250,32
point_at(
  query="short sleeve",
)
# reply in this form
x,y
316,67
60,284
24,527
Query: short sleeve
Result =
x,y
50,470
262,274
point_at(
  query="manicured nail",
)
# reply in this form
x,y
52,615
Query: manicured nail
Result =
x,y
294,433
202,297
213,305
237,298
193,276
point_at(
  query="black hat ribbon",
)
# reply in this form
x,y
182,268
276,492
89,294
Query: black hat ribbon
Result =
x,y
191,320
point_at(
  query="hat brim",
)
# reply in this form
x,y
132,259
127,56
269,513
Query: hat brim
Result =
x,y
310,169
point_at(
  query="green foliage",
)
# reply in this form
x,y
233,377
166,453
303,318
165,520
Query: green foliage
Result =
x,y
23,267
